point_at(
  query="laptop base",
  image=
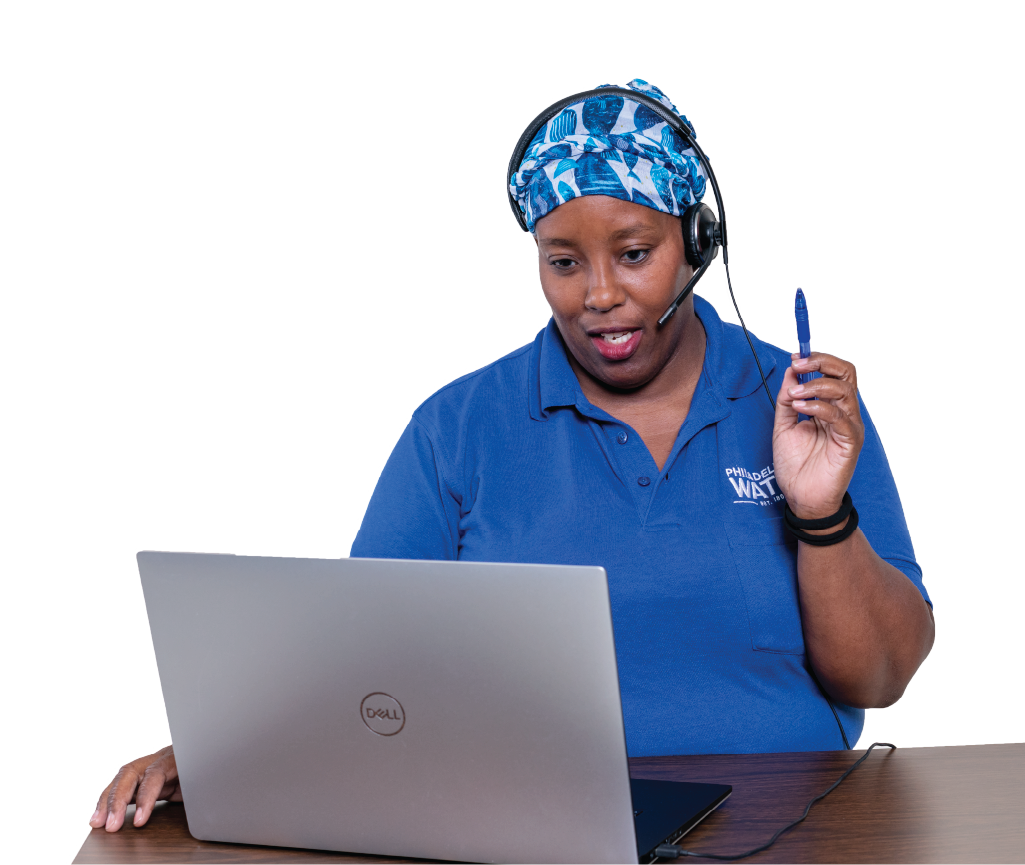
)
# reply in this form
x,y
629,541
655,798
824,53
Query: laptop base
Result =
x,y
665,811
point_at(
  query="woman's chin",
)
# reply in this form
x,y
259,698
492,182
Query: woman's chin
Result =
x,y
621,375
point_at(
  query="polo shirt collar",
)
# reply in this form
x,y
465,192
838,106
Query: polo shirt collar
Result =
x,y
559,385
728,358
728,371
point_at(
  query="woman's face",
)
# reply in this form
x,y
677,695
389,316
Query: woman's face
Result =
x,y
609,270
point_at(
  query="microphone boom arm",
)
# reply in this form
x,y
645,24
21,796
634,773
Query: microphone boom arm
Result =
x,y
688,288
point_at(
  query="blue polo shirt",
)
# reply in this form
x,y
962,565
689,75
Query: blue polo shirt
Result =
x,y
513,464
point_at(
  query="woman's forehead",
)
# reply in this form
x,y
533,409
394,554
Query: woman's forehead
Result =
x,y
601,216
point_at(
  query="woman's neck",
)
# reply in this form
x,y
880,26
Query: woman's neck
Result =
x,y
657,409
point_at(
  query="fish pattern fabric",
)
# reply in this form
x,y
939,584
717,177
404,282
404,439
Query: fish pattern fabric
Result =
x,y
609,145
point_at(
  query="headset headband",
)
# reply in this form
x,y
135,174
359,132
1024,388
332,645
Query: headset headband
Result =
x,y
670,118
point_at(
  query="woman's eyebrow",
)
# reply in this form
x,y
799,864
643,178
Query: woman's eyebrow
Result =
x,y
557,241
631,230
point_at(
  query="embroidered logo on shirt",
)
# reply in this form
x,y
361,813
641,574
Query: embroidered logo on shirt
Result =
x,y
754,488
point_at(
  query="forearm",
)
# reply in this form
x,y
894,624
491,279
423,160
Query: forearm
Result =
x,y
866,627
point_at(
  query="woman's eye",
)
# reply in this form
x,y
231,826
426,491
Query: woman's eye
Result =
x,y
563,263
635,255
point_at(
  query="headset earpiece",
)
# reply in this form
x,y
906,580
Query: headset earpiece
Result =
x,y
701,234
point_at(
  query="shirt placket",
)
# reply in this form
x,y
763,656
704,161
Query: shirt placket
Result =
x,y
633,463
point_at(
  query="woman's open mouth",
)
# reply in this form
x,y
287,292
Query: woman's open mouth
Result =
x,y
617,344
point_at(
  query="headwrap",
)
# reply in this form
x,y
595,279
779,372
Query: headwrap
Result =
x,y
608,145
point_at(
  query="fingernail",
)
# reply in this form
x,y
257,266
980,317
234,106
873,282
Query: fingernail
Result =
x,y
800,403
797,391
110,820
95,816
138,817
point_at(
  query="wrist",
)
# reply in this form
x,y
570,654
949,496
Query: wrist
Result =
x,y
818,512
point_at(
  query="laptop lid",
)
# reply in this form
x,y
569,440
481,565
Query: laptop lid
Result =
x,y
446,710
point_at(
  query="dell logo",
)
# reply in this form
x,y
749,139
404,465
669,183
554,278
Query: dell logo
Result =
x,y
386,714
382,713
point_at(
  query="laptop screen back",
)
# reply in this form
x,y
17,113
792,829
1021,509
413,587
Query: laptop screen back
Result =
x,y
431,709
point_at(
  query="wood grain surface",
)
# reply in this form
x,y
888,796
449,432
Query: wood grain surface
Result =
x,y
962,804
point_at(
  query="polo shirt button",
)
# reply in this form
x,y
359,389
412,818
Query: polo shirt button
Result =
x,y
622,437
643,481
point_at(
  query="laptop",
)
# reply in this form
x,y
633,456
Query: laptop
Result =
x,y
437,710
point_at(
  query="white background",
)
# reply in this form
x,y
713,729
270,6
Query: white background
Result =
x,y
240,243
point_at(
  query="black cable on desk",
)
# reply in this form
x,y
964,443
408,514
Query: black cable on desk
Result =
x,y
674,851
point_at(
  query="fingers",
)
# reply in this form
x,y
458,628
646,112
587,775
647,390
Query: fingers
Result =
x,y
158,782
100,814
119,795
825,412
841,419
827,364
833,399
832,389
785,412
145,780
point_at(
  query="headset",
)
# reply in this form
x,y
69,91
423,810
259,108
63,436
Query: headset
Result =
x,y
703,234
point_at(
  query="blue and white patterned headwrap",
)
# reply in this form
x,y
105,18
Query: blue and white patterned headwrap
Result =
x,y
609,146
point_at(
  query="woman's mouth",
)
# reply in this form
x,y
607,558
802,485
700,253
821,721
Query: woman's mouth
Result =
x,y
617,344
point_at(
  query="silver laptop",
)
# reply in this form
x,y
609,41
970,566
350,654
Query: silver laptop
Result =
x,y
440,710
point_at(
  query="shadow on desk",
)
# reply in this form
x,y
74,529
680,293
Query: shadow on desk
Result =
x,y
962,804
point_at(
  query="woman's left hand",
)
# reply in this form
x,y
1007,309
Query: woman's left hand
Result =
x,y
815,459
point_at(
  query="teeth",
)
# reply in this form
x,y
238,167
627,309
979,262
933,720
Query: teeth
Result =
x,y
617,338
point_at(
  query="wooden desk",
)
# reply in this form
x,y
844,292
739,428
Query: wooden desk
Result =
x,y
963,804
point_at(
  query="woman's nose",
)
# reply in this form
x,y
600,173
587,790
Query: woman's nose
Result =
x,y
603,293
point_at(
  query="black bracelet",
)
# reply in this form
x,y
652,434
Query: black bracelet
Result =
x,y
828,540
797,527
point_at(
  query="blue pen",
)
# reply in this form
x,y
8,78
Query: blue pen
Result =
x,y
804,341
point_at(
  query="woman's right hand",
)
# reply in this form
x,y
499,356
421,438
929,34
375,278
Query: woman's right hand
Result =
x,y
142,781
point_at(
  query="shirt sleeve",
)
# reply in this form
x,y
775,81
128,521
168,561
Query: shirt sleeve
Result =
x,y
880,514
412,514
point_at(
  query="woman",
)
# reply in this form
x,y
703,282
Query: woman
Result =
x,y
649,450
